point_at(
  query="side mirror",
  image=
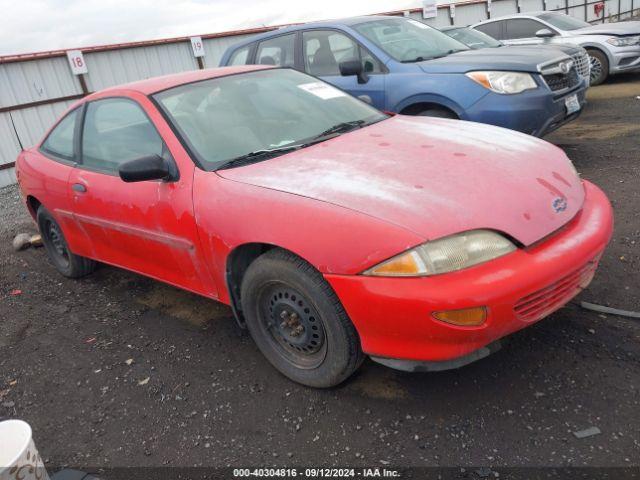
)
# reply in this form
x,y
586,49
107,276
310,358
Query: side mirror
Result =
x,y
545,33
152,167
349,68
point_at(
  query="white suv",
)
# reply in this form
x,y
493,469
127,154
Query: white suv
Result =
x,y
612,47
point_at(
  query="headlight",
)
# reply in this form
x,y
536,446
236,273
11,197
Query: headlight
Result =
x,y
447,254
624,41
504,82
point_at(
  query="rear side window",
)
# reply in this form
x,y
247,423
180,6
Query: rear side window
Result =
x,y
277,51
493,29
522,28
60,140
240,56
115,131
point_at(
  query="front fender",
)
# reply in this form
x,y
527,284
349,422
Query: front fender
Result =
x,y
332,238
599,46
432,99
453,91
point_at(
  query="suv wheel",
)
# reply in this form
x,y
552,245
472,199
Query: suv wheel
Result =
x,y
439,113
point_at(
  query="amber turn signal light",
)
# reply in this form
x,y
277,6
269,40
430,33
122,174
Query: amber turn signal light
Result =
x,y
465,317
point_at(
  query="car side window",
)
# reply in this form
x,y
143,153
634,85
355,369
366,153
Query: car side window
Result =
x,y
60,140
522,28
493,29
240,56
277,51
323,51
115,131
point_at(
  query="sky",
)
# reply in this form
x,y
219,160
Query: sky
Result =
x,y
40,25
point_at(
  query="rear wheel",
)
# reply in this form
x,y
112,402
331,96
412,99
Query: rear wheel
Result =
x,y
599,66
298,322
68,264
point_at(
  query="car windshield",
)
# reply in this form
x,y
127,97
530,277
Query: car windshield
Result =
x,y
408,40
473,38
563,22
260,112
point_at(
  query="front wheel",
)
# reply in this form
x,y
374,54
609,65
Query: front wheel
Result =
x,y
298,322
599,67
438,112
67,263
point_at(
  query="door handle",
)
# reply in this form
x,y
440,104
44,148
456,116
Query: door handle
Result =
x,y
78,187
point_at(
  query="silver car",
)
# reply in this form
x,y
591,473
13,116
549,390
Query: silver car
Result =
x,y
475,39
612,47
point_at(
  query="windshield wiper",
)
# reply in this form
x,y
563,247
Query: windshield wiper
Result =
x,y
417,59
445,54
257,156
343,127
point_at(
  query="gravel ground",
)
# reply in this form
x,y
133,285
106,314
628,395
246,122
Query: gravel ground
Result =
x,y
119,370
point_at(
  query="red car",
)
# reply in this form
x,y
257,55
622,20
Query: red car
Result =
x,y
332,229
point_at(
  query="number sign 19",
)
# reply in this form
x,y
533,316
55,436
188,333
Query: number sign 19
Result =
x,y
197,46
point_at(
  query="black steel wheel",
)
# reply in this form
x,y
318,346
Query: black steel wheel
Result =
x,y
67,263
292,325
297,321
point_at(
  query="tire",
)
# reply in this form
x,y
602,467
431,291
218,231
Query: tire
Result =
x,y
599,67
298,322
67,263
439,113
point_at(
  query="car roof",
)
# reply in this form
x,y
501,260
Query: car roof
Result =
x,y
157,84
520,15
336,23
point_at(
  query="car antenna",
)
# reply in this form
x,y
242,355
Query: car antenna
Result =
x,y
16,132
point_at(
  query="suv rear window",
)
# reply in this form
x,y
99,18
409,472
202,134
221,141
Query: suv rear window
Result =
x,y
240,56
278,51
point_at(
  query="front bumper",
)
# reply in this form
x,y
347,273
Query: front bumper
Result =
x,y
393,315
625,59
535,112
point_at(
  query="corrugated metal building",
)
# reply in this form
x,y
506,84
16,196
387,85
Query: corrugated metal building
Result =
x,y
36,88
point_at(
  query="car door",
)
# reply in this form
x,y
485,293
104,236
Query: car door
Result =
x,y
322,52
522,31
146,226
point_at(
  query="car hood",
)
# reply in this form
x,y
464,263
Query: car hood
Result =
x,y
516,59
616,28
557,48
434,177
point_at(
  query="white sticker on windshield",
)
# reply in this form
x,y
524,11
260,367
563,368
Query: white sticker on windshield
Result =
x,y
322,90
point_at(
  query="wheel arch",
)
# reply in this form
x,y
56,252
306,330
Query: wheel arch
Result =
x,y
428,101
238,261
32,205
598,48
416,108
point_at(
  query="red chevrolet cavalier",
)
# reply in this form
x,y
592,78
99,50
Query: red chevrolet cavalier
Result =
x,y
332,229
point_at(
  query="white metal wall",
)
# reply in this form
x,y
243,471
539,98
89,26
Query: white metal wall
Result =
x,y
46,79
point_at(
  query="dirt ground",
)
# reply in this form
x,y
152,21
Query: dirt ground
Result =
x,y
198,393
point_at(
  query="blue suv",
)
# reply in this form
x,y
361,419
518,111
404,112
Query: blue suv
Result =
x,y
403,65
